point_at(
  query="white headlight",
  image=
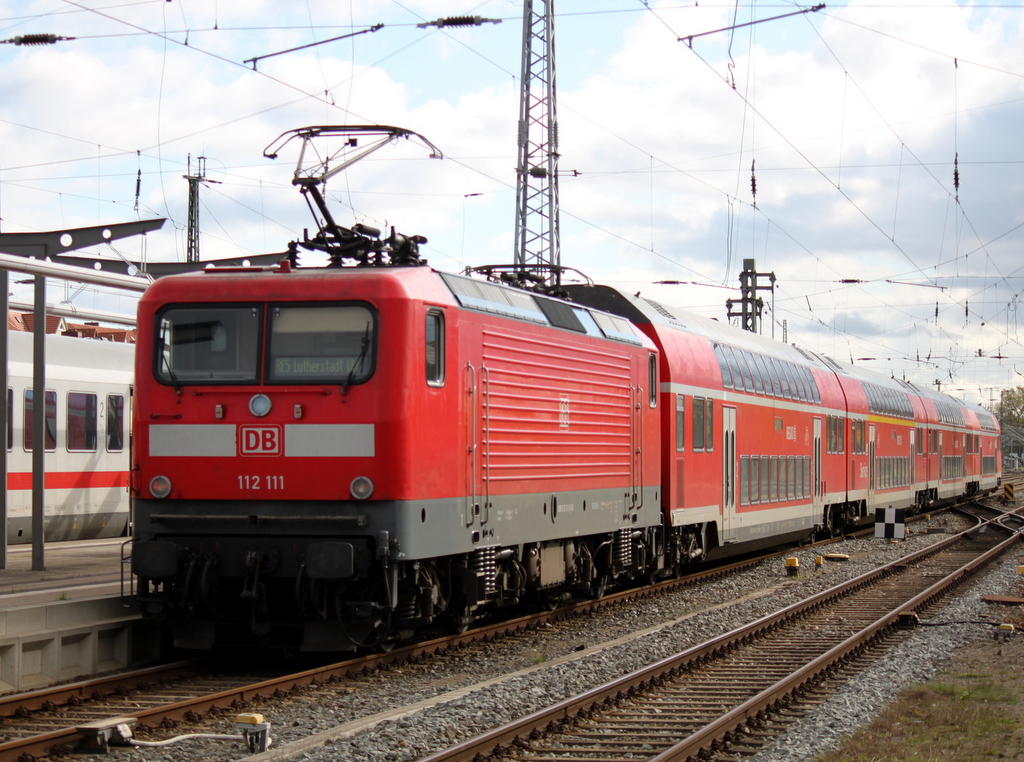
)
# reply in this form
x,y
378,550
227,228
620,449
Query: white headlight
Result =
x,y
361,488
260,405
160,486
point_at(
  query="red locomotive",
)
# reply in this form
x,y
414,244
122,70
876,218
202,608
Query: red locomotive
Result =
x,y
333,458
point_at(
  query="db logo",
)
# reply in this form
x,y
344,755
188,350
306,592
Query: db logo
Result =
x,y
259,440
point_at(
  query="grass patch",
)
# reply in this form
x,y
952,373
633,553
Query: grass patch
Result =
x,y
964,718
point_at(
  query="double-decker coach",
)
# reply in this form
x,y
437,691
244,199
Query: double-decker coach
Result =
x,y
766,443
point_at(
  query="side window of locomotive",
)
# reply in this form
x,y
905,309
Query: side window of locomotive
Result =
x,y
652,380
49,420
115,422
208,345
82,424
435,348
321,344
10,419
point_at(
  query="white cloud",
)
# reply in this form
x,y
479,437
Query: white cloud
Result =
x,y
854,147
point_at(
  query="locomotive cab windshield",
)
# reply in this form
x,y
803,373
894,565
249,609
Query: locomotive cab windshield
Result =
x,y
325,343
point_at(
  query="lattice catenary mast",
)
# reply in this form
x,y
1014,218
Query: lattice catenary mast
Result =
x,y
537,247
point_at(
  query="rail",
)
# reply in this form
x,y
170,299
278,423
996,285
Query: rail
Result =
x,y
753,708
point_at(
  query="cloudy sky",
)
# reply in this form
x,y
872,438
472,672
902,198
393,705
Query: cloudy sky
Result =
x,y
856,119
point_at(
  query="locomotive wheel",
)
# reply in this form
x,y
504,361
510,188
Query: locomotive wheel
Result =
x,y
458,621
599,587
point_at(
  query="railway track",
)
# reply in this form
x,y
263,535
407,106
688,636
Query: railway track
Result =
x,y
46,721
723,696
42,722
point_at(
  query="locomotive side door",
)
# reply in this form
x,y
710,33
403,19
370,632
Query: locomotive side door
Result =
x,y
728,470
472,444
477,486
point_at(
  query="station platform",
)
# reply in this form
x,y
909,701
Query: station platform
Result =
x,y
74,619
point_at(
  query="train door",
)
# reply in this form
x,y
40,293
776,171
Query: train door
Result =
x,y
913,464
941,462
816,468
871,463
728,470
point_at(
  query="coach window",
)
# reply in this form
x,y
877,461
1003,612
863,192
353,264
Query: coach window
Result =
x,y
115,422
709,425
755,372
783,380
776,384
698,424
680,423
773,479
652,380
50,420
322,344
748,379
795,383
723,364
82,426
755,479
734,368
762,372
435,348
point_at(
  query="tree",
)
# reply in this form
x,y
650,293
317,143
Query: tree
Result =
x,y
1011,407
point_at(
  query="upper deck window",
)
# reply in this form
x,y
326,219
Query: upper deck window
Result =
x,y
329,343
209,344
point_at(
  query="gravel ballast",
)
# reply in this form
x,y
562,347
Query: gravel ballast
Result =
x,y
467,692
